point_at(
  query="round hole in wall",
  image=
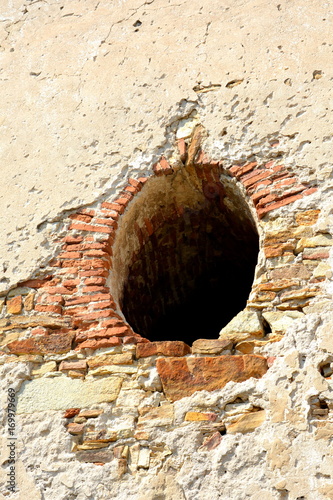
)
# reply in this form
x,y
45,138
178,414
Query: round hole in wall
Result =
x,y
185,255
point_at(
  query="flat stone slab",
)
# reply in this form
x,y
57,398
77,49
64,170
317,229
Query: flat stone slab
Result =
x,y
61,393
211,346
181,377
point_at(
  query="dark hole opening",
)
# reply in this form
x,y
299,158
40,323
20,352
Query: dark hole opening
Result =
x,y
195,271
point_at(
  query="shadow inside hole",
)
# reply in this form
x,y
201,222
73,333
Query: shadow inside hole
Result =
x,y
192,277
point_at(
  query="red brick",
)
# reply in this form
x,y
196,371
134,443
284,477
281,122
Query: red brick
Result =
x,y
261,176
107,222
58,289
133,182
80,217
88,264
102,305
98,344
96,315
87,211
258,184
310,191
95,288
122,201
286,201
114,206
71,412
97,253
112,214
97,280
260,194
131,189
94,272
49,308
116,320
87,227
268,199
35,283
74,311
88,298
54,299
118,331
142,180
70,255
96,246
235,169
245,169
286,182
71,283
72,239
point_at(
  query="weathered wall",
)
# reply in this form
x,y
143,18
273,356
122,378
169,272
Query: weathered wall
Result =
x,y
97,97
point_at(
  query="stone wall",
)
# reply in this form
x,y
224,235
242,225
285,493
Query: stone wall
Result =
x,y
166,297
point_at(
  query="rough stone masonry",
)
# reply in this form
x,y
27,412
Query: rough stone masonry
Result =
x,y
155,153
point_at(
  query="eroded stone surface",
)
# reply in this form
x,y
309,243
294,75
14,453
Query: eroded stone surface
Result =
x,y
182,377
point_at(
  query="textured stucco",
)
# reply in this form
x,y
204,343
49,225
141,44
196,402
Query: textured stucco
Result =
x,y
90,97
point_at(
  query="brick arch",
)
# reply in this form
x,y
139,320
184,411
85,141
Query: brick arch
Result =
x,y
78,293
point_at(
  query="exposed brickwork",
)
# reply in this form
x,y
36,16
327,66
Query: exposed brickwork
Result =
x,y
79,292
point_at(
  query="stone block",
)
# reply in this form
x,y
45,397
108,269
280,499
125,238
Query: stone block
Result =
x,y
91,413
197,416
50,366
280,321
181,377
60,393
155,416
211,346
245,325
247,422
125,358
75,429
14,305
